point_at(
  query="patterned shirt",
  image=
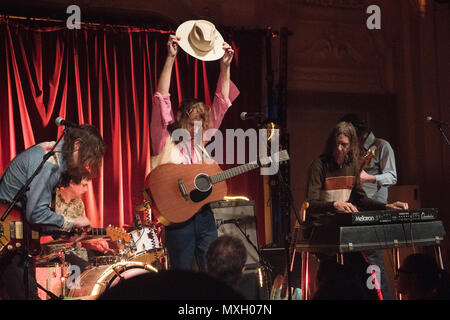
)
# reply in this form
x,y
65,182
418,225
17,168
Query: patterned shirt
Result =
x,y
71,210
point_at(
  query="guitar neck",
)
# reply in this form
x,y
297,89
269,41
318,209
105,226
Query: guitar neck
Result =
x,y
97,232
230,173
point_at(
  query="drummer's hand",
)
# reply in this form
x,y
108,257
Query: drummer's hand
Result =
x,y
98,245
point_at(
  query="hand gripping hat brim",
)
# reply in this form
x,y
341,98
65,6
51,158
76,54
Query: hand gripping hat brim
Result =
x,y
200,39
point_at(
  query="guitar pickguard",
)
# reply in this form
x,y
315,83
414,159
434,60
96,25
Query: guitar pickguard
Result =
x,y
198,196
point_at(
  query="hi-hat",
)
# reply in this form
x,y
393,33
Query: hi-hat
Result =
x,y
143,206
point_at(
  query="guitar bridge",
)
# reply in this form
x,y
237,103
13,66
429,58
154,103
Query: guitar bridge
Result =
x,y
183,190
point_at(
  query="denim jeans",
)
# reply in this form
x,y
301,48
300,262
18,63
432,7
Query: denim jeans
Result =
x,y
190,240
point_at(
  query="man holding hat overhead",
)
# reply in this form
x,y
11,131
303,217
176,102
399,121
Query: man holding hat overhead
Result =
x,y
200,39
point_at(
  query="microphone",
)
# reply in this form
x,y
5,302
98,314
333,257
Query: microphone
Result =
x,y
220,222
438,122
61,122
252,115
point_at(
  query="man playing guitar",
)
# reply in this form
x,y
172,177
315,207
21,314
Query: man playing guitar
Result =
x,y
191,238
80,154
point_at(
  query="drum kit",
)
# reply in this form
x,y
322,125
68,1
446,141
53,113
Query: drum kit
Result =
x,y
143,253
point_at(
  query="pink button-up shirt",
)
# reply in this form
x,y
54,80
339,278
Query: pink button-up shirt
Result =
x,y
162,116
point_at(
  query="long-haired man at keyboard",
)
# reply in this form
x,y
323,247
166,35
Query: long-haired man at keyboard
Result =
x,y
334,183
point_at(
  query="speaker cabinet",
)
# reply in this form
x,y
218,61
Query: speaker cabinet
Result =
x,y
237,218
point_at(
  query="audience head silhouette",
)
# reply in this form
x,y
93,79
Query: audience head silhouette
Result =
x,y
225,259
337,282
171,285
420,278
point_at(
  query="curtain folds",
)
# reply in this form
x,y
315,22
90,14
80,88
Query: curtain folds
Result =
x,y
106,77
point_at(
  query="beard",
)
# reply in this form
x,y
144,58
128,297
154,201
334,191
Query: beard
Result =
x,y
340,157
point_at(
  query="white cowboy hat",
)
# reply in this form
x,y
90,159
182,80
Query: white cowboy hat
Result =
x,y
200,39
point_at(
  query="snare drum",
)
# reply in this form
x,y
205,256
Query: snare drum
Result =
x,y
95,281
52,276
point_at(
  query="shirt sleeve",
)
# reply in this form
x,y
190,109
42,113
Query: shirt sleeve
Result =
x,y
219,107
359,197
162,116
388,175
314,187
39,195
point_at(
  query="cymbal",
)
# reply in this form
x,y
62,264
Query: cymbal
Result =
x,y
143,207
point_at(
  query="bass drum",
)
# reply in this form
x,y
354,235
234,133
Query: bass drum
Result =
x,y
95,281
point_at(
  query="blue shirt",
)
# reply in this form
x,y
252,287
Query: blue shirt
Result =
x,y
42,187
382,166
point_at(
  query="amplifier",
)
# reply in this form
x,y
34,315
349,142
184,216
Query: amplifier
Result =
x,y
237,218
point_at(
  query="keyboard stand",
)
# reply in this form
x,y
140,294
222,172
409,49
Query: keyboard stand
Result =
x,y
395,236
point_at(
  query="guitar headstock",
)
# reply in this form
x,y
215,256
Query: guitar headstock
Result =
x,y
280,156
371,152
117,234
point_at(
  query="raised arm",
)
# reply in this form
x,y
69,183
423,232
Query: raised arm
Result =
x,y
162,114
226,92
224,76
166,73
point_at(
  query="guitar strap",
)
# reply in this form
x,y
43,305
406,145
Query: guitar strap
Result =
x,y
197,148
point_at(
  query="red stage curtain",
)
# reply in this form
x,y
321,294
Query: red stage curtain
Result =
x,y
106,77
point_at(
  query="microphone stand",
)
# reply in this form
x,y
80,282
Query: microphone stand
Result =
x,y
443,134
22,198
261,122
289,262
261,257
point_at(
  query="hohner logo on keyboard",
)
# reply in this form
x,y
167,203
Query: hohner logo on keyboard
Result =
x,y
363,218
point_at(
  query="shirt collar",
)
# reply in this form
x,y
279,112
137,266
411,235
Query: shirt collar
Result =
x,y
62,161
369,141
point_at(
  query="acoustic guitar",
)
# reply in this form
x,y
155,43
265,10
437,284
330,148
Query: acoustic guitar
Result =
x,y
178,191
365,161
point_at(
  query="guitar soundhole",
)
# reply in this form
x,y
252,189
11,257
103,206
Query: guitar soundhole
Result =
x,y
202,182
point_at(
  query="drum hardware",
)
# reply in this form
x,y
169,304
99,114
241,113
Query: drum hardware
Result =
x,y
98,279
45,271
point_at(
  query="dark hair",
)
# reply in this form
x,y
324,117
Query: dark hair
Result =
x,y
171,285
429,276
347,129
90,151
66,178
225,259
359,124
338,282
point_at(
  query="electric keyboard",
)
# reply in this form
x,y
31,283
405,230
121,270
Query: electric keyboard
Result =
x,y
375,217
381,229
